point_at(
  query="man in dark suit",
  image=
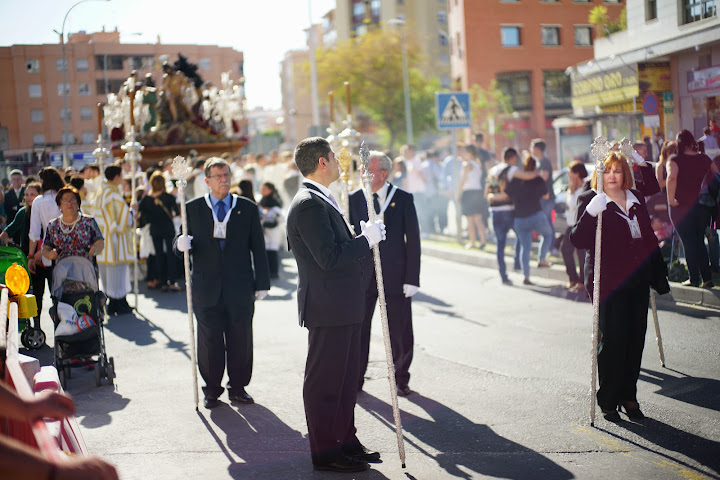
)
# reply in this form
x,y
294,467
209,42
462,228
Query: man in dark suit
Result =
x,y
331,305
400,258
14,199
230,271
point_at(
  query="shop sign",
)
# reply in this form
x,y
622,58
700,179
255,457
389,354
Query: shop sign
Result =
x,y
606,88
653,77
651,120
704,79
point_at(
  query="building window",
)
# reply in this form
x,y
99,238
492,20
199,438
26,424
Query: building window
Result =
x,y
63,89
81,65
510,36
375,8
84,89
38,139
61,65
583,35
32,66
65,113
113,85
445,59
445,82
204,64
86,113
37,116
550,35
556,89
68,139
695,10
35,91
459,45
88,138
114,62
443,39
516,85
650,10
442,16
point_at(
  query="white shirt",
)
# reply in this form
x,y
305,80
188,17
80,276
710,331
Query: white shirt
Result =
x,y
571,205
43,210
414,182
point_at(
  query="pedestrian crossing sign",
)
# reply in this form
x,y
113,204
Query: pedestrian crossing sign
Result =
x,y
452,109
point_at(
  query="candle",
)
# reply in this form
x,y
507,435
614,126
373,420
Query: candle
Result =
x,y
99,115
132,107
347,97
332,107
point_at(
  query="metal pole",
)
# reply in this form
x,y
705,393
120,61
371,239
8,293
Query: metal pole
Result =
x,y
313,69
367,178
406,88
181,171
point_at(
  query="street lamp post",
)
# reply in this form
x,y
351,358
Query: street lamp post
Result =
x,y
66,118
406,80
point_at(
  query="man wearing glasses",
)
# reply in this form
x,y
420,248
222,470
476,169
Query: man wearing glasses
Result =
x,y
223,231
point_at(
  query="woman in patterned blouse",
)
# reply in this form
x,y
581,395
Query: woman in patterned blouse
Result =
x,y
72,233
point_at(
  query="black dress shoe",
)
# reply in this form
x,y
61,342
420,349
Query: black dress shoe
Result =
x,y
404,391
611,415
359,452
342,464
210,402
240,395
632,410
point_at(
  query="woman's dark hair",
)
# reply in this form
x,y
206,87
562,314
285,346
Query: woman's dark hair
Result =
x,y
63,191
246,190
77,182
529,163
157,182
576,166
686,140
51,179
272,200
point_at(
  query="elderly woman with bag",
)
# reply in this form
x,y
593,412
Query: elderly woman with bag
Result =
x,y
630,264
158,208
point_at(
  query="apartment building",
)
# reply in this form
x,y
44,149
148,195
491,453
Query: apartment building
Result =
x,y
678,42
526,46
32,88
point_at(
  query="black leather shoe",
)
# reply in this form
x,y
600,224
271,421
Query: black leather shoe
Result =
x,y
342,464
632,410
359,452
611,415
240,395
404,391
210,402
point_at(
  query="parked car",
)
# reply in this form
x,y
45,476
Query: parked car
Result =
x,y
560,186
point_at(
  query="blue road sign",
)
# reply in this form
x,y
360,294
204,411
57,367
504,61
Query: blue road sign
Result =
x,y
452,109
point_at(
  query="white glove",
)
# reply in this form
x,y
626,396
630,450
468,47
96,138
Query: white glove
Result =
x,y
410,290
639,161
184,243
374,232
261,294
597,204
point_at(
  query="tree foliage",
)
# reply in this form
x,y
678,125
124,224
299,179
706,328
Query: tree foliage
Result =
x,y
601,19
372,63
487,103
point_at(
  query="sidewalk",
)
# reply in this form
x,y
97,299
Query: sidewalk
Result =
x,y
448,248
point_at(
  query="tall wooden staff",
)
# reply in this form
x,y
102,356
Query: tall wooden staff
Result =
x,y
626,148
599,149
367,179
181,170
133,149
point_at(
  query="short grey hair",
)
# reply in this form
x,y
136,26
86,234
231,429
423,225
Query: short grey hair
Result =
x,y
215,162
384,161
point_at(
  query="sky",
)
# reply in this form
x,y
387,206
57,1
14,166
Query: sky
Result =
x,y
262,29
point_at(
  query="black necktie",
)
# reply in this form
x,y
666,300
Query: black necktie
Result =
x,y
376,203
221,216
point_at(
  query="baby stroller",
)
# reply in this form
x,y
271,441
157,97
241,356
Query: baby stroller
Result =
x,y
32,338
75,284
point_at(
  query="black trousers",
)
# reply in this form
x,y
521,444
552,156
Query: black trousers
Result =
x,y
166,262
224,333
399,311
623,323
330,389
569,252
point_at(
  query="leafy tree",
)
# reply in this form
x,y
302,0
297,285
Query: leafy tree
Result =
x,y
487,103
372,63
600,18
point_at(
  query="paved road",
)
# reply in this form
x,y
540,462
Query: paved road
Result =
x,y
501,381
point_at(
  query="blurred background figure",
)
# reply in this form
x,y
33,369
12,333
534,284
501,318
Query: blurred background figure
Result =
x,y
576,186
272,223
470,197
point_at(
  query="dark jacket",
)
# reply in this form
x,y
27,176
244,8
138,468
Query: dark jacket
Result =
x,y
330,277
624,260
400,251
240,268
158,212
13,202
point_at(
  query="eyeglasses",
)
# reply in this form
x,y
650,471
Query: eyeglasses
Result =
x,y
68,201
222,176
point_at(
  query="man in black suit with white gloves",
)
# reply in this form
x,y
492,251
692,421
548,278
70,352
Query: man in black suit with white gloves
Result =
x,y
331,304
230,272
400,257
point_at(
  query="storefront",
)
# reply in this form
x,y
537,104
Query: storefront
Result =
x,y
703,85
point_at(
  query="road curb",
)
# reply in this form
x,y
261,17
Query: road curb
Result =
x,y
708,298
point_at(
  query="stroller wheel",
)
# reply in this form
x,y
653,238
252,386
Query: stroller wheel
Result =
x,y
98,375
33,338
110,370
63,379
67,371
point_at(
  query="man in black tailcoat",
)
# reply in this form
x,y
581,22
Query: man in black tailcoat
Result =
x,y
400,258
